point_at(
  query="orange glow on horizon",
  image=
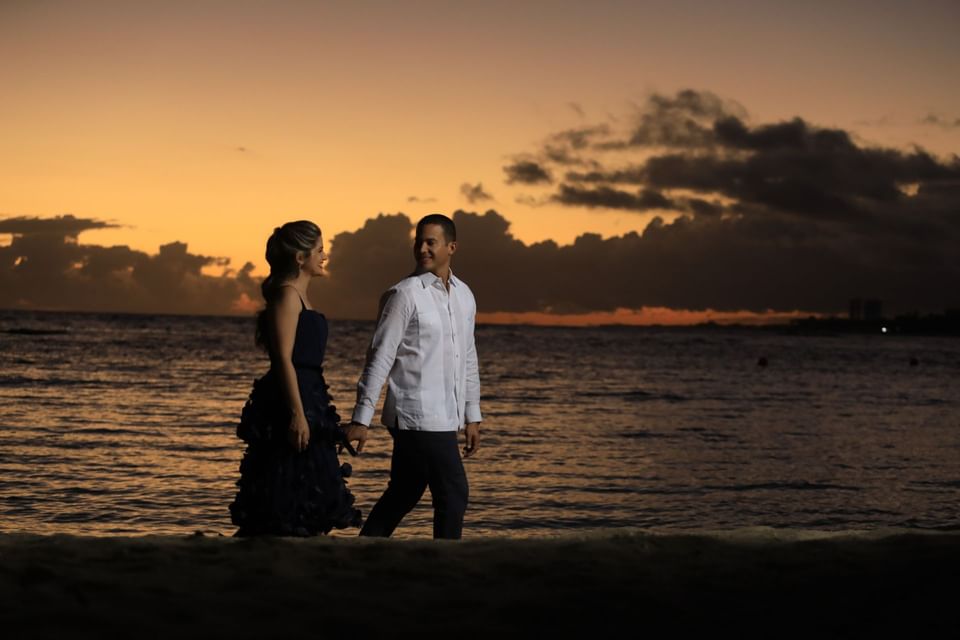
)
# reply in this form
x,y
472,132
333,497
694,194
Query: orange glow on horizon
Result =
x,y
646,316
244,305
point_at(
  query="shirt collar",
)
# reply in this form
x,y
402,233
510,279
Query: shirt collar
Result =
x,y
429,279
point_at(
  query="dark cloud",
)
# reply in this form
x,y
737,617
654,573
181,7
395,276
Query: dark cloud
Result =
x,y
700,207
771,206
45,267
691,102
694,141
819,178
627,175
567,147
418,199
474,193
681,121
606,197
558,154
527,172
363,264
940,121
576,108
529,201
65,225
579,138
709,261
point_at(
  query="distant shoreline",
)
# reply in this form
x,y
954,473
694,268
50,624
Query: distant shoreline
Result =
x,y
913,325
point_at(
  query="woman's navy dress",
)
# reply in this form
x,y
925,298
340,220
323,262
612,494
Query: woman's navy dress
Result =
x,y
283,491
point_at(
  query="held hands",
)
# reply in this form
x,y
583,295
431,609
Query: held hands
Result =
x,y
355,432
472,439
299,433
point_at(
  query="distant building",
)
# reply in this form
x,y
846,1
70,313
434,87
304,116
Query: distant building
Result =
x,y
872,310
856,309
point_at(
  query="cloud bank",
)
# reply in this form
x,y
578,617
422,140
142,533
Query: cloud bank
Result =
x,y
695,263
750,217
45,267
757,216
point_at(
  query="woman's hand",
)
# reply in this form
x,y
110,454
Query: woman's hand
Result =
x,y
299,432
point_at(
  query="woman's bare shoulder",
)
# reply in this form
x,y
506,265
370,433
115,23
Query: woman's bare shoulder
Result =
x,y
286,300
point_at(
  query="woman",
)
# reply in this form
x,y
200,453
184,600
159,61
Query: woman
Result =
x,y
291,482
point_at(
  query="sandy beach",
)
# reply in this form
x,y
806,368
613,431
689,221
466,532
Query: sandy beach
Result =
x,y
762,581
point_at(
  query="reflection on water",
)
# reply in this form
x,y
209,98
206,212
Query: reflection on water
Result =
x,y
125,424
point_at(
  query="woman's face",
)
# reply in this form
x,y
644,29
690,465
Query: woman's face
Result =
x,y
313,261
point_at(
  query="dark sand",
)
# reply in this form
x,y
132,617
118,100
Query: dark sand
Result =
x,y
758,582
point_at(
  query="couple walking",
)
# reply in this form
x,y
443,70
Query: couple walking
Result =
x,y
291,480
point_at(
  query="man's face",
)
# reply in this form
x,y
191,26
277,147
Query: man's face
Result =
x,y
431,250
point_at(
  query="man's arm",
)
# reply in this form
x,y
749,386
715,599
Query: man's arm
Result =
x,y
396,309
472,408
472,414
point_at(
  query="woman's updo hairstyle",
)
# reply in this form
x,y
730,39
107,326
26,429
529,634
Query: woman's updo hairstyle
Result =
x,y
283,245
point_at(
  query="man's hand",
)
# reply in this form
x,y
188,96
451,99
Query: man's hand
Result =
x,y
356,432
472,439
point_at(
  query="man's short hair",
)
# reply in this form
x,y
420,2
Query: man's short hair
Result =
x,y
449,229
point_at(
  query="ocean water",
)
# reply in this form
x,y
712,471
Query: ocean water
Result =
x,y
125,424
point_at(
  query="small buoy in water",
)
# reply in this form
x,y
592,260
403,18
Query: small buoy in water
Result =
x,y
762,362
914,361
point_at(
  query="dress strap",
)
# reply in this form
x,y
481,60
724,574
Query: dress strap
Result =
x,y
303,305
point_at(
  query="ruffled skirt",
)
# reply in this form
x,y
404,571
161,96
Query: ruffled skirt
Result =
x,y
282,491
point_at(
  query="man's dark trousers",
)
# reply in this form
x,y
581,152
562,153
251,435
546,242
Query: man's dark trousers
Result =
x,y
421,459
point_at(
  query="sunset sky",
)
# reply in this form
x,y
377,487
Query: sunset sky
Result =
x,y
210,122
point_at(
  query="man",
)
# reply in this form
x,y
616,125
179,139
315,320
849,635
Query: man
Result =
x,y
424,348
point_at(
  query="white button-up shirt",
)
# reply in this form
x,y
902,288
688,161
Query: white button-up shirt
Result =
x,y
424,348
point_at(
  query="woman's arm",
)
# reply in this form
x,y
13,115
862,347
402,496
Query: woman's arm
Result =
x,y
283,332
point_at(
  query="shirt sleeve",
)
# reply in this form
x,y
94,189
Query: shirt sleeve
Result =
x,y
472,407
396,309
